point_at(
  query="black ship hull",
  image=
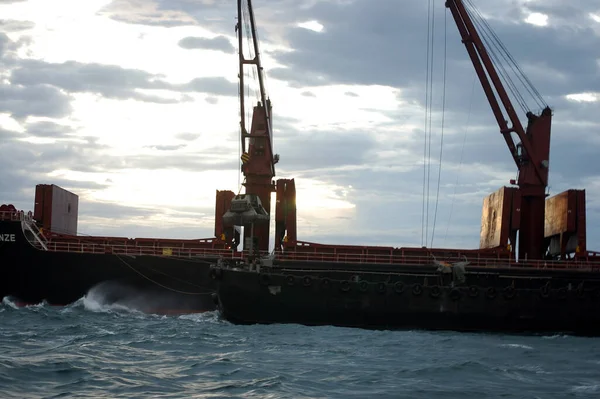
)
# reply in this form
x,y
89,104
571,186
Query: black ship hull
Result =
x,y
414,297
158,284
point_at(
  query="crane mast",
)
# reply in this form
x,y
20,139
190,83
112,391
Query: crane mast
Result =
x,y
531,154
258,160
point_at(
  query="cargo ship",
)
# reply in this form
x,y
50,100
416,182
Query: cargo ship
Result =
x,y
531,273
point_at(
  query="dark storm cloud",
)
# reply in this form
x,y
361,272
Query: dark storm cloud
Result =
x,y
219,43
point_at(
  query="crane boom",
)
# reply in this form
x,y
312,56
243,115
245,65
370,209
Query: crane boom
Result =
x,y
531,154
257,62
258,160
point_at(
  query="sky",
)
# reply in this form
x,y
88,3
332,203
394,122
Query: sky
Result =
x,y
133,105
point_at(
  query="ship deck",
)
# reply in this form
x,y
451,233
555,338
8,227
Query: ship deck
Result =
x,y
296,253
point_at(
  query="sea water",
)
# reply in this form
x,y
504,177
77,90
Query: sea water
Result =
x,y
89,350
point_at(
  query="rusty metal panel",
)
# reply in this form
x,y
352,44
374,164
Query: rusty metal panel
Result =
x,y
495,218
557,215
38,206
565,222
291,218
581,223
572,211
285,213
223,201
65,209
515,222
43,205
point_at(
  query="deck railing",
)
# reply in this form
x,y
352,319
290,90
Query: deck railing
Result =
x,y
428,260
95,247
135,250
312,256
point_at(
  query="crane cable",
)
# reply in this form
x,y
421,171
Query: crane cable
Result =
x,y
437,195
462,152
494,47
427,131
250,55
516,68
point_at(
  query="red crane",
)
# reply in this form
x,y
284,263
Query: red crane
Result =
x,y
258,160
531,154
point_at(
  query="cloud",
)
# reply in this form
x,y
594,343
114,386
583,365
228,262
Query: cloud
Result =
x,y
35,100
216,158
111,81
108,80
4,42
48,129
30,163
327,149
145,12
358,34
219,43
11,25
172,13
211,85
187,136
8,134
173,147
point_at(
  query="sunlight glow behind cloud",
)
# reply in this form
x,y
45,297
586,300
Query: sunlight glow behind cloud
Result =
x,y
584,97
537,19
312,25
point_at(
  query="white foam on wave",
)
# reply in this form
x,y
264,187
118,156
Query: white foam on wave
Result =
x,y
96,300
555,336
520,346
587,388
8,301
11,302
210,317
